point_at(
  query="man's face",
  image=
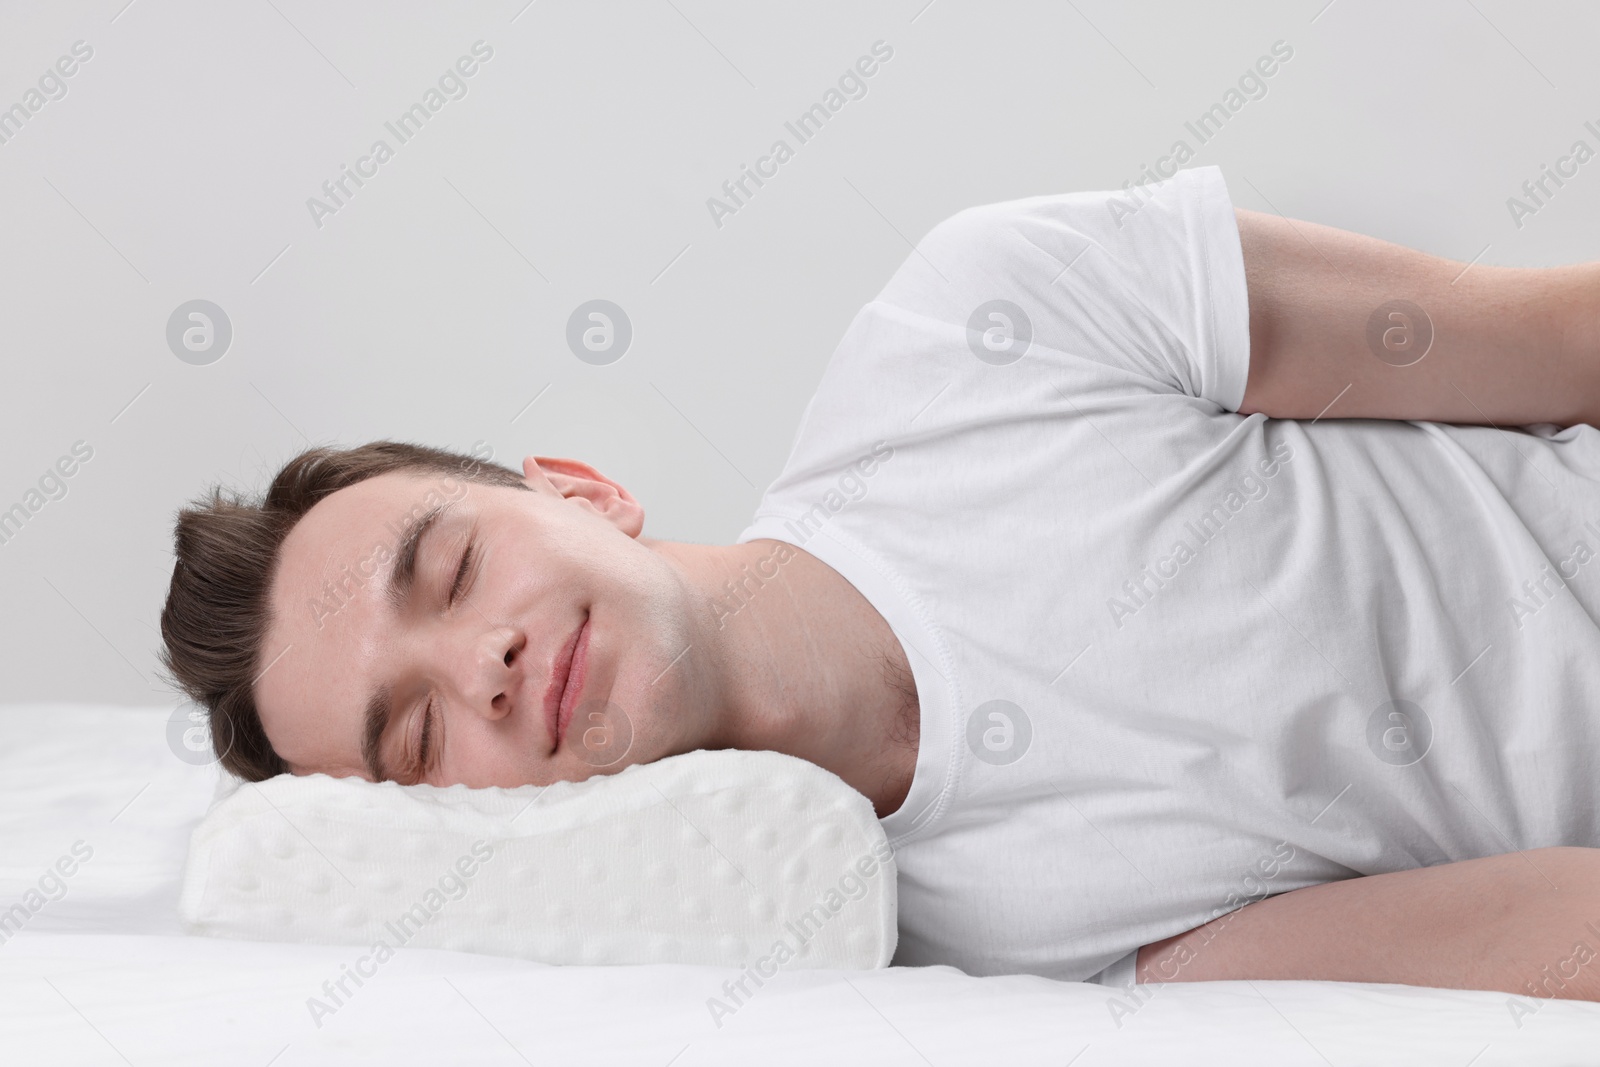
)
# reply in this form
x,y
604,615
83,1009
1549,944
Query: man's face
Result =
x,y
477,667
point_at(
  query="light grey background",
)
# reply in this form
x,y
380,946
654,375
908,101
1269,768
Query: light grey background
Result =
x,y
433,306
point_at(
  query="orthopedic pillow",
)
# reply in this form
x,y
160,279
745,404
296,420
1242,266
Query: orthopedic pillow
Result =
x,y
710,858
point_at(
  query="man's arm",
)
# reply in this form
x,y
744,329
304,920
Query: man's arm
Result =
x,y
1505,346
1525,922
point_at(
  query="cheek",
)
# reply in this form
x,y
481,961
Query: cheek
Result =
x,y
504,753
542,571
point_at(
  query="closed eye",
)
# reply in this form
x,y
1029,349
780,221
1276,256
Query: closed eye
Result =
x,y
422,743
421,763
461,573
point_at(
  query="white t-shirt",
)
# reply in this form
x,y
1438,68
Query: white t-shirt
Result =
x,y
1237,655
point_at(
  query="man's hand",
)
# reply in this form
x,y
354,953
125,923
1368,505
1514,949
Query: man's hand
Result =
x,y
1347,326
1525,923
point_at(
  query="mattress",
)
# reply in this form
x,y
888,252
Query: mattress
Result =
x,y
104,974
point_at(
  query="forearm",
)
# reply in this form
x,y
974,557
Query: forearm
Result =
x,y
1501,345
1510,923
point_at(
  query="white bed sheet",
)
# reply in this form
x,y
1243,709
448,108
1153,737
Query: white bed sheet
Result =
x,y
105,975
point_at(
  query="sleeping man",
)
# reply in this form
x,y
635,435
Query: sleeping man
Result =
x,y
1196,594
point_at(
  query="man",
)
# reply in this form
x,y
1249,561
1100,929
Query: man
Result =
x,y
1139,671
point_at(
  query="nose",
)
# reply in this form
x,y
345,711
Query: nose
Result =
x,y
491,671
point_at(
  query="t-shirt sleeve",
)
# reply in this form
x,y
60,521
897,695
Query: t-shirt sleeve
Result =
x,y
1147,283
1119,975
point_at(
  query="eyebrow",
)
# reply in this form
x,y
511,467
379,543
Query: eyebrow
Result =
x,y
396,590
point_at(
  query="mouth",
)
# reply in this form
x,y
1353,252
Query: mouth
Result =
x,y
566,683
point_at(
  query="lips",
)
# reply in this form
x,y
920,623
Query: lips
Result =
x,y
566,681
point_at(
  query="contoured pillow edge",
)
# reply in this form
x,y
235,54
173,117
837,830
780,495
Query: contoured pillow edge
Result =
x,y
713,857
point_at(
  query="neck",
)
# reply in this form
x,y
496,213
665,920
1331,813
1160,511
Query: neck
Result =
x,y
803,664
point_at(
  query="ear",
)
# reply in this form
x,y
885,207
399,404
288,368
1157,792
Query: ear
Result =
x,y
577,481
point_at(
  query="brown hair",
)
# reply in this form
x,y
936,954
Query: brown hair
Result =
x,y
218,610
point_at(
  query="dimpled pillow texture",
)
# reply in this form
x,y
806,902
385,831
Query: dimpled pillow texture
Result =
x,y
707,858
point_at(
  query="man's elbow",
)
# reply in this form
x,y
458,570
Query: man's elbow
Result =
x,y
1546,940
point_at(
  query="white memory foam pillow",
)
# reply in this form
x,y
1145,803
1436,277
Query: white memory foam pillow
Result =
x,y
710,857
